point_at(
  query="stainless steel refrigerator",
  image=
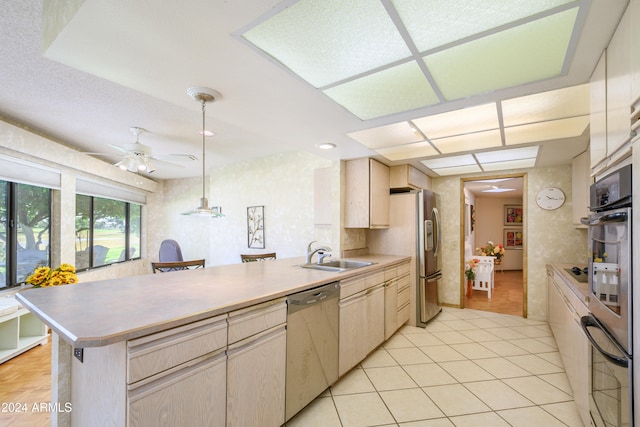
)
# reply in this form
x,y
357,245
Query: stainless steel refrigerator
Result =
x,y
414,230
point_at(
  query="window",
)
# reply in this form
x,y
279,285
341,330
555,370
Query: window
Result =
x,y
107,231
25,213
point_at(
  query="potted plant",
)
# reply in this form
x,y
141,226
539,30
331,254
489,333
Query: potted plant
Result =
x,y
491,249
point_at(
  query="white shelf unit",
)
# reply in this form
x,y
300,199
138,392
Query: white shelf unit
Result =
x,y
20,331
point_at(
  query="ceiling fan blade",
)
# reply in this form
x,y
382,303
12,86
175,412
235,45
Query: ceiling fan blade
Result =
x,y
122,149
175,156
159,162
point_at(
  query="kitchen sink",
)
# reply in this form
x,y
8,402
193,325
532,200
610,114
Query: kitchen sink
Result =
x,y
337,265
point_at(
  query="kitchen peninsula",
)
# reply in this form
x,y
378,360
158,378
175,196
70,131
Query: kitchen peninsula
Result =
x,y
205,344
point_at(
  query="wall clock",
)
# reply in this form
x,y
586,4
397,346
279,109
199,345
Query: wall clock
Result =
x,y
550,198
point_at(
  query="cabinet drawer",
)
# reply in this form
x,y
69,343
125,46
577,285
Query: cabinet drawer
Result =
x,y
403,269
352,286
252,320
403,314
404,295
390,273
374,279
155,353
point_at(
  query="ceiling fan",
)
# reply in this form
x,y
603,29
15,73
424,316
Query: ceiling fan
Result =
x,y
138,157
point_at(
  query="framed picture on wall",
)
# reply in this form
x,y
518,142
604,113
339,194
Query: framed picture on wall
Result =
x,y
513,238
513,215
255,227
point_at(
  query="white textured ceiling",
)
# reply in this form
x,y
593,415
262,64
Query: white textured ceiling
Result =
x,y
106,66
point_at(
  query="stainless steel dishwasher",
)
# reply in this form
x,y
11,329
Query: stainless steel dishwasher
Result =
x,y
312,345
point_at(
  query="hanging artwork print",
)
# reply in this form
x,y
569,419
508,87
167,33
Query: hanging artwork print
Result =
x,y
255,226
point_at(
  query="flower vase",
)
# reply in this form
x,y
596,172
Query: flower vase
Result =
x,y
469,288
497,261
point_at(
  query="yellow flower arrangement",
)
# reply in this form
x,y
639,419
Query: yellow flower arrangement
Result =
x,y
491,250
44,277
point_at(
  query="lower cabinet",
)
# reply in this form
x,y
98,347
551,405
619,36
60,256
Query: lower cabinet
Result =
x,y
256,365
396,298
361,319
564,311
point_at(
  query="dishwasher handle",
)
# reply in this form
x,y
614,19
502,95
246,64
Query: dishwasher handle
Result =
x,y
305,299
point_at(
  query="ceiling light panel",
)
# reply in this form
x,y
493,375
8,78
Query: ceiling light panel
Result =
x,y
434,23
458,170
505,155
469,142
409,151
512,164
556,104
556,129
387,136
459,122
527,53
325,41
448,162
394,90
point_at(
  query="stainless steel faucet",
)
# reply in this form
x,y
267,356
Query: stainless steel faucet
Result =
x,y
321,250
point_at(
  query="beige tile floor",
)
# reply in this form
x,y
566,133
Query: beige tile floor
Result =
x,y
466,368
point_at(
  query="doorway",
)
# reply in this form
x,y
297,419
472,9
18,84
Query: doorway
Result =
x,y
494,210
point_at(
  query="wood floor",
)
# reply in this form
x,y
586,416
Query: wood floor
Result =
x,y
25,381
506,296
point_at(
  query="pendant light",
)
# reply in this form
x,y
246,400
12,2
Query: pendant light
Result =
x,y
204,95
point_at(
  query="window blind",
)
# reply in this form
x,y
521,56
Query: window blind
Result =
x,y
89,187
25,172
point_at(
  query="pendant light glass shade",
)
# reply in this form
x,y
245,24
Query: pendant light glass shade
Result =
x,y
204,95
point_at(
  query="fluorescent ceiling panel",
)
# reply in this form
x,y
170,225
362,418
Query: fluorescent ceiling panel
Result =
x,y
458,170
387,136
394,90
459,122
556,129
470,142
556,104
409,151
448,162
510,154
524,54
325,41
512,164
434,23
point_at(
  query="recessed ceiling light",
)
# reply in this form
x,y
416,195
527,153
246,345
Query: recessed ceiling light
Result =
x,y
326,146
207,133
447,162
498,190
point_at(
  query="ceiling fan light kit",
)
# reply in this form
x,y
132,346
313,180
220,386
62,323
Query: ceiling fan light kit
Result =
x,y
204,95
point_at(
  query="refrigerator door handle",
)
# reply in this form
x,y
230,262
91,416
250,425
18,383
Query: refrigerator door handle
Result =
x,y
435,215
433,278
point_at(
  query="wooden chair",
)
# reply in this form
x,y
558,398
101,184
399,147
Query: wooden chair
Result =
x,y
484,275
164,267
257,257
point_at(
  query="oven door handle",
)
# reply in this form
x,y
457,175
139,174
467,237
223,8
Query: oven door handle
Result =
x,y
585,322
604,219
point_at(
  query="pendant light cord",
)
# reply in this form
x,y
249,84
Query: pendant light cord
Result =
x,y
203,151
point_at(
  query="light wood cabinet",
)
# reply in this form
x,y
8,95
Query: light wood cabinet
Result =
x,y
619,85
598,115
565,311
580,182
256,365
407,177
366,194
19,330
362,317
177,377
396,298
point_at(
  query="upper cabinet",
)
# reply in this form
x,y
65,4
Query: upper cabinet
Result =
x,y
580,182
367,194
619,85
615,84
598,117
406,177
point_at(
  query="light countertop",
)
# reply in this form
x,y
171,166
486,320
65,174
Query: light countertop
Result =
x,y
581,290
100,313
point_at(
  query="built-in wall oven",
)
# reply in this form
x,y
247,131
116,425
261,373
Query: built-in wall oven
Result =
x,y
609,324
